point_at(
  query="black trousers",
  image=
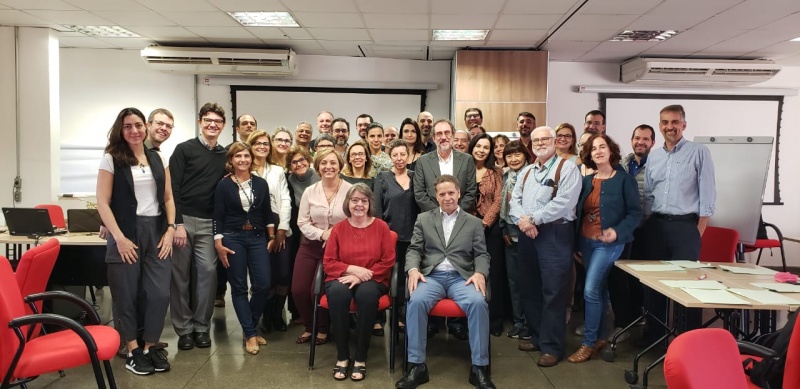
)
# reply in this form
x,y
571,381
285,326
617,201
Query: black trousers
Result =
x,y
669,240
366,296
624,289
498,276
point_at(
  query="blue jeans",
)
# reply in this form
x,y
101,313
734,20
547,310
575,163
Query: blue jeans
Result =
x,y
598,259
251,255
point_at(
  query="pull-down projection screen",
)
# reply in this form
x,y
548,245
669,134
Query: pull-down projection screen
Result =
x,y
706,115
287,106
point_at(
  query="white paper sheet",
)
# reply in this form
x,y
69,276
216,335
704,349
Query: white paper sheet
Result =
x,y
694,284
716,296
690,264
779,287
748,270
765,296
656,267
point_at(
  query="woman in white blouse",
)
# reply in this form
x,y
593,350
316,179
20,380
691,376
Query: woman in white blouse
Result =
x,y
281,204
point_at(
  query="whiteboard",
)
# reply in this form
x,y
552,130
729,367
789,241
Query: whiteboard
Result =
x,y
283,106
719,116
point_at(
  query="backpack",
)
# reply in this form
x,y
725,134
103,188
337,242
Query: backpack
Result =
x,y
768,373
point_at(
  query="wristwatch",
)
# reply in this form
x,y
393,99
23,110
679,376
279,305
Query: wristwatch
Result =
x,y
174,226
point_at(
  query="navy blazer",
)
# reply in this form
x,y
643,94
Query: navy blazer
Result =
x,y
229,216
620,206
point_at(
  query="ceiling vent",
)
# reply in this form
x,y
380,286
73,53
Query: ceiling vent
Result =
x,y
220,61
696,72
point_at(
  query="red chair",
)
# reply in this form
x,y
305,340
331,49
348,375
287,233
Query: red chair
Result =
x,y
386,302
762,244
33,272
56,214
704,358
791,374
719,245
22,360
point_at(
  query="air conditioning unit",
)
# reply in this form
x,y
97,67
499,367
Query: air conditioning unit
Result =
x,y
220,61
696,72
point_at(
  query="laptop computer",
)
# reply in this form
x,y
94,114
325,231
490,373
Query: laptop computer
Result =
x,y
83,220
28,221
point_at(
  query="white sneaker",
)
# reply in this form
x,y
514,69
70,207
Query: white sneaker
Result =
x,y
580,330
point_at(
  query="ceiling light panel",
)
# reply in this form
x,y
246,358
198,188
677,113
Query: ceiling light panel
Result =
x,y
459,35
103,31
643,36
264,19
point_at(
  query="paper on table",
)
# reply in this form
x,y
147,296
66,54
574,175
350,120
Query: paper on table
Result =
x,y
690,264
716,296
748,270
694,284
765,296
778,287
656,267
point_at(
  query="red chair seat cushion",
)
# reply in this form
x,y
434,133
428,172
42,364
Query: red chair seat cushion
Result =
x,y
66,350
447,308
383,303
764,244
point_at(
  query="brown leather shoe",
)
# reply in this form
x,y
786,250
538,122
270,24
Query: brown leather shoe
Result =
x,y
527,345
598,347
582,355
547,360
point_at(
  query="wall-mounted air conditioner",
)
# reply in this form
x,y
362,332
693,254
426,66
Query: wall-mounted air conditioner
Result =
x,y
221,61
696,72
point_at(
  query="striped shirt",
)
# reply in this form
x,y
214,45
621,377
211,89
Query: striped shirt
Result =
x,y
680,181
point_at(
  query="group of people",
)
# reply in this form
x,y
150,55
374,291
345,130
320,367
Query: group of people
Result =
x,y
444,205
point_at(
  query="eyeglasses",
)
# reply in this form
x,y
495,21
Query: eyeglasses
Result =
x,y
256,144
215,121
340,131
358,154
162,124
298,162
473,116
564,136
542,140
279,140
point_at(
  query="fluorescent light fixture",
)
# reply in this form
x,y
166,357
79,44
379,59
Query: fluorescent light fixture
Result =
x,y
264,19
103,31
643,36
796,39
459,35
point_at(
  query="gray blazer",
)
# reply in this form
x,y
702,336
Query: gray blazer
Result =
x,y
466,249
426,172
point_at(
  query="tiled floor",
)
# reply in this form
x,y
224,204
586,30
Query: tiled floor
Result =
x,y
283,364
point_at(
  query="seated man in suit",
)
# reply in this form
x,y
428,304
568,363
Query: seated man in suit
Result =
x,y
447,258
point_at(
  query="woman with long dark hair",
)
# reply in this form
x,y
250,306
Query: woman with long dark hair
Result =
x,y
412,135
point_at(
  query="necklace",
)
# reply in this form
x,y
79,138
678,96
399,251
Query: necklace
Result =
x,y
353,231
332,195
141,166
252,194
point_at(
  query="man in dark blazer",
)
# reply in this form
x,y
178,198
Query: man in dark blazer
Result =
x,y
447,258
444,161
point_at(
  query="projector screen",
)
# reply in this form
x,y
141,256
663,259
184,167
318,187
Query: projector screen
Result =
x,y
706,115
287,106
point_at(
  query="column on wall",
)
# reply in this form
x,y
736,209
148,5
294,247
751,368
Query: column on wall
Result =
x,y
501,83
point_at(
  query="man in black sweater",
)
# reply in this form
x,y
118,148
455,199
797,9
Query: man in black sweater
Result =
x,y
196,166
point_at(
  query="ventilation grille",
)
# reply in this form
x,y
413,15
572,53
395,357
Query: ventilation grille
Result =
x,y
251,62
745,72
666,70
179,60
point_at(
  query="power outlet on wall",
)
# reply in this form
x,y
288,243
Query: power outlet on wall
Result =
x,y
17,189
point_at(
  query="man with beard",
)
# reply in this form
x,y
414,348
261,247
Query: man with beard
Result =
x,y
362,123
526,122
679,197
324,121
461,140
595,122
425,122
473,117
341,133
543,207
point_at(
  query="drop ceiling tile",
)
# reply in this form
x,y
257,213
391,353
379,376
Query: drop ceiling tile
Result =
x,y
135,18
752,40
248,5
541,7
788,23
605,22
55,5
396,20
321,6
749,15
344,53
470,7
177,5
673,15
296,33
343,45
625,48
339,34
71,17
458,22
393,6
566,55
400,35
779,50
690,41
85,42
163,33
583,35
573,46
200,19
13,17
182,42
107,5
267,33
222,32
129,43
538,22
407,43
619,7
249,43
517,35
304,45
329,20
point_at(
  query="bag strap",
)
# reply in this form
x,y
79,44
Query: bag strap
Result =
x,y
525,178
557,178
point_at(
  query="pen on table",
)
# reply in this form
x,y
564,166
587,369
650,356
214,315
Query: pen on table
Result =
x,y
702,277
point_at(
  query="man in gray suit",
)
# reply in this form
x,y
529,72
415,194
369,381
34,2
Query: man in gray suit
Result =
x,y
444,161
447,248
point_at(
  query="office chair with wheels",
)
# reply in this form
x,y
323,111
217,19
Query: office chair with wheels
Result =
x,y
56,214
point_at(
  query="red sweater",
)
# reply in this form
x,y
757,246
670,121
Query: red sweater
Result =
x,y
347,246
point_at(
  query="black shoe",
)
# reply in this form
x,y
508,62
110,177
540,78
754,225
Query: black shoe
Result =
x,y
479,377
265,325
138,363
279,325
185,342
432,331
459,333
202,340
416,376
158,359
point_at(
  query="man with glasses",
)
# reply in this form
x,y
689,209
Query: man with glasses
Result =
x,y
196,166
362,123
526,122
543,206
159,128
473,117
324,121
595,122
341,133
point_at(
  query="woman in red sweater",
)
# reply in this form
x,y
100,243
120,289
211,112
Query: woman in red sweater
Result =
x,y
359,256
